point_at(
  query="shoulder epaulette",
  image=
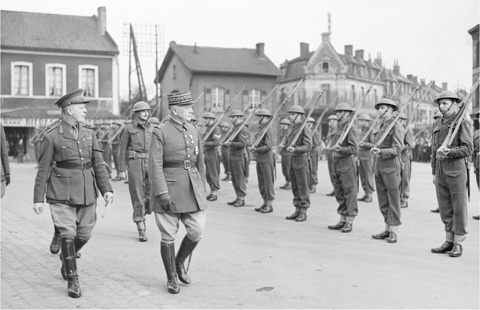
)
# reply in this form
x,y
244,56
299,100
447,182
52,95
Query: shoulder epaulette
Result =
x,y
52,128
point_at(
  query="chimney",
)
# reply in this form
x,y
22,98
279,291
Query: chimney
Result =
x,y
195,48
304,49
260,50
415,80
326,37
444,86
410,77
396,67
378,60
348,50
102,20
359,54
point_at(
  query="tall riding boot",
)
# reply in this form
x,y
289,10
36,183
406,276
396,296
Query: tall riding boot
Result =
x,y
302,216
185,250
294,215
69,261
167,250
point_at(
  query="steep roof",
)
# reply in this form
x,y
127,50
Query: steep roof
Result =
x,y
54,32
202,59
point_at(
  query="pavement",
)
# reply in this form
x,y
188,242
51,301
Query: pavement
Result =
x,y
246,259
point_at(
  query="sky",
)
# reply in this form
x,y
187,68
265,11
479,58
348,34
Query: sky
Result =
x,y
429,38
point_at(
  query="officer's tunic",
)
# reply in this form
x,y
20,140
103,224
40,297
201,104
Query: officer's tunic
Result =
x,y
265,165
134,148
451,174
387,172
365,159
70,173
344,170
285,160
314,158
406,159
212,160
238,162
300,166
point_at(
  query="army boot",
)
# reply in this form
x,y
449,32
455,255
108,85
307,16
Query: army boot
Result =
x,y
302,217
185,250
69,266
340,223
294,215
268,207
55,244
142,235
287,185
167,250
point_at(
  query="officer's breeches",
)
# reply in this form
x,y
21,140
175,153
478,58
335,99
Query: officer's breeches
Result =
x,y
406,175
74,221
314,171
366,175
300,175
237,169
286,167
139,186
387,181
345,185
266,180
450,184
212,171
168,224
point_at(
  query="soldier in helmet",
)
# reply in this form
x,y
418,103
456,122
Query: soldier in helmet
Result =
x,y
70,173
365,159
344,169
299,163
313,155
438,115
387,169
134,148
332,128
450,173
406,159
225,151
178,186
285,127
212,161
476,150
237,159
265,162
115,140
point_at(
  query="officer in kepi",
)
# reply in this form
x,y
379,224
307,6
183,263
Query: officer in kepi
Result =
x,y
177,175
71,170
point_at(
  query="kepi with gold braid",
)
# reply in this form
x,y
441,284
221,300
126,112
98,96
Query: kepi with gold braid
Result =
x,y
178,98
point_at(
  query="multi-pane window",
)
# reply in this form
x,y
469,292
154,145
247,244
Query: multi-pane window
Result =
x,y
89,80
254,98
218,98
325,67
21,79
55,80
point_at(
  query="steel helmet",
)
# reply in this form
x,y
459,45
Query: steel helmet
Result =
x,y
364,117
386,101
209,115
140,106
263,112
344,107
438,115
296,109
447,95
236,113
224,124
332,117
310,120
154,120
403,116
285,121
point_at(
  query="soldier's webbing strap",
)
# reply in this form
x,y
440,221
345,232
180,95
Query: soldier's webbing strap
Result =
x,y
468,179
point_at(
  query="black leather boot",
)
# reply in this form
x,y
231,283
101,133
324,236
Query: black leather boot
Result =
x,y
186,249
456,250
69,266
302,217
55,244
168,257
294,215
444,248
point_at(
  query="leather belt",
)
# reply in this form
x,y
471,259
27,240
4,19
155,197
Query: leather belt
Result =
x,y
185,164
74,166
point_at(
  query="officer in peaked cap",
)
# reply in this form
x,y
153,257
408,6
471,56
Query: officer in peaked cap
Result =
x,y
387,170
365,158
238,145
225,150
212,160
406,159
178,186
344,169
285,127
314,155
70,171
450,173
134,149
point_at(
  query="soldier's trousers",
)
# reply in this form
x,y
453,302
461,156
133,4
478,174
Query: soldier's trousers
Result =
x,y
314,168
365,171
345,185
406,175
226,159
237,170
74,220
168,224
387,182
286,167
300,175
266,178
139,186
212,167
107,157
329,155
115,154
450,184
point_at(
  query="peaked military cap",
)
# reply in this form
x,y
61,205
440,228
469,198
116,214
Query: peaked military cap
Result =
x,y
74,97
178,98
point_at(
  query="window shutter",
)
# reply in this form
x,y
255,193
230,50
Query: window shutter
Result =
x,y
208,98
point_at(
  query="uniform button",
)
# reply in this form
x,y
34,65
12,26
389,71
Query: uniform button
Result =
x,y
188,149
188,155
79,150
81,158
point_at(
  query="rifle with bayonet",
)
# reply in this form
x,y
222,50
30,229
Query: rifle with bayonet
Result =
x,y
319,120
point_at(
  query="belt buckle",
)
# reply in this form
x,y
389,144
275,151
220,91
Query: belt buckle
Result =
x,y
187,164
84,166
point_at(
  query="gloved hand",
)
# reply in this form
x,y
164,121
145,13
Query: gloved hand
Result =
x,y
166,202
7,179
